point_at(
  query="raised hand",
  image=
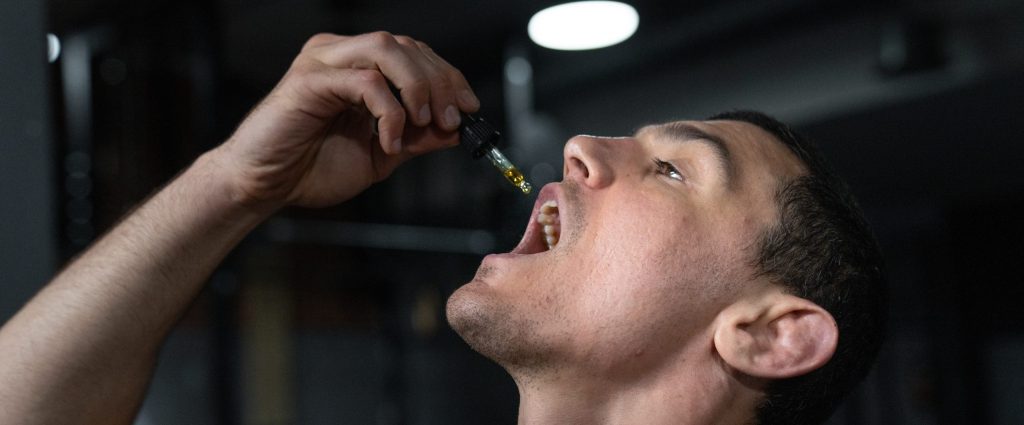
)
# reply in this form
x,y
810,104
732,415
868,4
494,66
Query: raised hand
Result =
x,y
332,127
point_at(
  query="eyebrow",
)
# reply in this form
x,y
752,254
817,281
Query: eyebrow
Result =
x,y
685,132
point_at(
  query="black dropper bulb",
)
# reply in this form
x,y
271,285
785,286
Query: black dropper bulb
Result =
x,y
480,138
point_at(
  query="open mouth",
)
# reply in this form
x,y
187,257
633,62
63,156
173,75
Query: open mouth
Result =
x,y
545,227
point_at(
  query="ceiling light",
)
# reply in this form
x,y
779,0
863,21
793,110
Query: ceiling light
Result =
x,y
583,25
52,47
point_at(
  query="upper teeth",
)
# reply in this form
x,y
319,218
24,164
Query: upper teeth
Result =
x,y
548,216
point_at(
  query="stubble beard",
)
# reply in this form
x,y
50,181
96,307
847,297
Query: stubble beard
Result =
x,y
497,329
490,326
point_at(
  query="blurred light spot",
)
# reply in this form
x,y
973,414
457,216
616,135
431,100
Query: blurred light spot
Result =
x,y
52,47
425,312
542,173
481,242
583,25
518,70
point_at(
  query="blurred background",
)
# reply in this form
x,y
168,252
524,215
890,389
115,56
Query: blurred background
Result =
x,y
337,315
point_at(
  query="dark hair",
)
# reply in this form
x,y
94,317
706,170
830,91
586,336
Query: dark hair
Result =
x,y
822,250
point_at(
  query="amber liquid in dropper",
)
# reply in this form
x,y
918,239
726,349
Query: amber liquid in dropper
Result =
x,y
511,173
516,177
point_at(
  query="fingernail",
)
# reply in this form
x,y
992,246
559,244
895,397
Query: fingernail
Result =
x,y
425,114
396,146
468,98
451,116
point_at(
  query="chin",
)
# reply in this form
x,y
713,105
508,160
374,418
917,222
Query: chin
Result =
x,y
488,326
496,313
474,317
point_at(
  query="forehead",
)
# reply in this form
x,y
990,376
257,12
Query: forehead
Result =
x,y
752,152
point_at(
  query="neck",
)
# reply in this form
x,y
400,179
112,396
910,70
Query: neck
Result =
x,y
688,393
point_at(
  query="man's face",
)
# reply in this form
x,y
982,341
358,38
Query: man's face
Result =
x,y
657,234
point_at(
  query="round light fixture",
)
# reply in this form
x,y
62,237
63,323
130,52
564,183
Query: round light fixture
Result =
x,y
583,25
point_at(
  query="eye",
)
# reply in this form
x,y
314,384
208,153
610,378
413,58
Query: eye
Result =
x,y
666,168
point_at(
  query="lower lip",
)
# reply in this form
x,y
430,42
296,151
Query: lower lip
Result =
x,y
505,257
501,256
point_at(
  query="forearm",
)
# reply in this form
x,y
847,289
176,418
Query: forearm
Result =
x,y
85,346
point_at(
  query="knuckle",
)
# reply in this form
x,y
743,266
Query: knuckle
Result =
x,y
442,83
318,39
381,39
302,67
419,85
405,40
370,77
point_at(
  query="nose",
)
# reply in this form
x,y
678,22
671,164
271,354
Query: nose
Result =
x,y
588,159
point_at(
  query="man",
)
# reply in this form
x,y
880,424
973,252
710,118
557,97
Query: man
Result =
x,y
696,272
699,270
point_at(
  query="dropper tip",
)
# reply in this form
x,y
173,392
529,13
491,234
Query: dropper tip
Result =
x,y
525,187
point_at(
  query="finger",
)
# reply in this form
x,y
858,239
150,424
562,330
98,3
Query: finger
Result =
x,y
382,51
382,104
424,140
361,87
445,110
419,93
463,92
322,39
428,139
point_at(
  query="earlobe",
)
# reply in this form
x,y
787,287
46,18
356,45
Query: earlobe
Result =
x,y
777,336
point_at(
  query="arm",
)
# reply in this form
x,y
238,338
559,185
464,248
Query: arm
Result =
x,y
86,345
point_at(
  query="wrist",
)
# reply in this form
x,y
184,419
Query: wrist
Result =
x,y
222,183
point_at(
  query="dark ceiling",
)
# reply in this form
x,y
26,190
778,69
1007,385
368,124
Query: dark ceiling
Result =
x,y
260,37
963,44
819,64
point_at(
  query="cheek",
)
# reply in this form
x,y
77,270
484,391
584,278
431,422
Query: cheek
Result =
x,y
640,257
657,239
628,239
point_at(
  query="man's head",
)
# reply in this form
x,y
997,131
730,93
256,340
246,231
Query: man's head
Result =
x,y
822,250
673,251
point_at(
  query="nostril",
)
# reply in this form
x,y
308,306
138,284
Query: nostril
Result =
x,y
576,163
591,160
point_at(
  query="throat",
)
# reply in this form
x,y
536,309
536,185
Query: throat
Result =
x,y
671,395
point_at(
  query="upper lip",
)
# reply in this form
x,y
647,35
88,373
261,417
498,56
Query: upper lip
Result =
x,y
533,239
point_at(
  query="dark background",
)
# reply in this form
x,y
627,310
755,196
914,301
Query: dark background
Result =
x,y
336,315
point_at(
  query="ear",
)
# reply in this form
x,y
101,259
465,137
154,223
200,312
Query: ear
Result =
x,y
775,336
